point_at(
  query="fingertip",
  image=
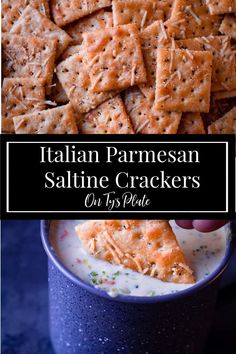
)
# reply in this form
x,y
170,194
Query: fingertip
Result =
x,y
185,224
208,225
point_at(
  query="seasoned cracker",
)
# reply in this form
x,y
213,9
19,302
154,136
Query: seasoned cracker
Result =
x,y
98,20
144,119
142,13
224,125
221,95
12,9
66,11
183,80
114,58
21,96
33,23
74,78
60,120
191,19
191,123
152,37
223,65
108,118
146,246
218,7
25,56
228,26
58,93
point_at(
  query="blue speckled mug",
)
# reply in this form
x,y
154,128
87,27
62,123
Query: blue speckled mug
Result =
x,y
85,320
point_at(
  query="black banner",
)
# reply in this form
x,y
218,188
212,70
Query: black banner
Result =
x,y
152,176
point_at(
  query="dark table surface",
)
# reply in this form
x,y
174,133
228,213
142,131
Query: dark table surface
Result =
x,y
25,296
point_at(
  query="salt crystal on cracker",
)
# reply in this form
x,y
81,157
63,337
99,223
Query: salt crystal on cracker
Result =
x,y
60,120
108,118
191,92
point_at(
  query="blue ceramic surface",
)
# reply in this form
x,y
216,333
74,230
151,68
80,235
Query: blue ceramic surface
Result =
x,y
85,320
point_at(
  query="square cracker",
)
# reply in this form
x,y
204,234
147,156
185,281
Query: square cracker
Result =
x,y
98,20
152,37
146,246
218,7
228,26
60,120
114,58
223,65
33,23
74,78
12,9
108,118
191,19
142,13
144,119
224,125
20,96
66,11
183,80
191,123
25,56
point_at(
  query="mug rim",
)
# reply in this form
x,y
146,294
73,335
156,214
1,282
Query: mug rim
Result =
x,y
231,242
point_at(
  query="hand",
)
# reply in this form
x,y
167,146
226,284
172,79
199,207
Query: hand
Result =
x,y
201,225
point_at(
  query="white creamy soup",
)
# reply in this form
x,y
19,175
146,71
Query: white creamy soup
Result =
x,y
203,253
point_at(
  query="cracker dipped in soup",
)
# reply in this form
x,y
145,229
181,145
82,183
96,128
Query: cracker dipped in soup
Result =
x,y
136,257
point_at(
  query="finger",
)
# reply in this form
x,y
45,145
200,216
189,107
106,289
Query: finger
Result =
x,y
185,224
208,225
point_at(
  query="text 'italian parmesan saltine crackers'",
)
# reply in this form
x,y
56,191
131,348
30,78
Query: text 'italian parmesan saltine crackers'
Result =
x,y
228,26
60,120
191,123
66,11
142,13
98,20
108,118
221,6
144,119
146,246
223,65
12,9
114,58
26,56
20,96
191,19
74,78
33,23
152,37
224,125
183,80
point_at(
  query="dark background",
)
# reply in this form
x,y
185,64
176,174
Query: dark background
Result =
x,y
25,298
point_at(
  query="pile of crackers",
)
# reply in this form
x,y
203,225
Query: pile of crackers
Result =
x,y
119,66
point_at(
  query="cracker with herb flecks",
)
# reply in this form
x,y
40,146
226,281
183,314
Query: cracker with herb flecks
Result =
x,y
114,58
98,20
219,7
20,96
228,26
74,78
183,80
224,125
12,10
33,23
60,120
108,118
146,246
191,19
152,37
142,13
26,56
144,119
191,123
66,11
223,65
